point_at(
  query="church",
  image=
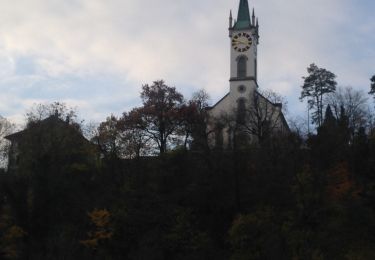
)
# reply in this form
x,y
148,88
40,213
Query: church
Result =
x,y
245,114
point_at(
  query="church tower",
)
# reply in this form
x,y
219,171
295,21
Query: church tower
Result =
x,y
235,110
244,38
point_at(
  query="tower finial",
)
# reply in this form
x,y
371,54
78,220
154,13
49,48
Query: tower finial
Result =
x,y
230,19
253,20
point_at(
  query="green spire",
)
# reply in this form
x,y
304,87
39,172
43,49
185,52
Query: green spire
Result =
x,y
243,18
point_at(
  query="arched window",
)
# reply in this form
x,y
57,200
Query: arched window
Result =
x,y
219,136
241,110
241,66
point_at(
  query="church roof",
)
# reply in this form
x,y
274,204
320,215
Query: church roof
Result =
x,y
209,108
243,17
281,115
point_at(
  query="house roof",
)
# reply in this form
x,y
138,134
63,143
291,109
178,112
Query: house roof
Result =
x,y
52,120
15,136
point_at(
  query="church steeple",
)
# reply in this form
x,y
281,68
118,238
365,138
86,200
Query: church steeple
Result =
x,y
244,35
243,17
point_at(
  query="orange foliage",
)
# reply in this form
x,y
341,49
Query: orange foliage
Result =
x,y
10,240
340,183
101,220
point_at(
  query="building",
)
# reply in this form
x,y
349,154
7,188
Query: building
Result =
x,y
244,110
46,137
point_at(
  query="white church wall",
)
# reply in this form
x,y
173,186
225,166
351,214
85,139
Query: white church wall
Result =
x,y
244,39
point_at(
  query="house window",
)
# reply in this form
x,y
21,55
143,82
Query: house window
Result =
x,y
241,66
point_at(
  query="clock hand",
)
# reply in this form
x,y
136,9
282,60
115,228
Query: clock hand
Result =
x,y
241,42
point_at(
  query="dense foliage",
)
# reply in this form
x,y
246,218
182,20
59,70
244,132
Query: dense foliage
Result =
x,y
284,198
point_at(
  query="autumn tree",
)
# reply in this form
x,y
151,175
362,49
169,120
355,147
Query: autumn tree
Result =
x,y
316,85
160,115
108,137
135,140
101,231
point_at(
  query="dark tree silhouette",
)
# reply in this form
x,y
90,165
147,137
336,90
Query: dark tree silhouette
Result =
x,y
54,163
262,117
354,103
372,90
195,117
6,128
108,137
134,139
39,112
331,142
160,114
316,85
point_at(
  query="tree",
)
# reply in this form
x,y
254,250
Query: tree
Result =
x,y
6,128
101,222
194,124
372,90
299,126
109,137
160,115
316,85
354,103
122,137
51,184
332,140
134,139
201,99
262,117
257,236
41,111
329,119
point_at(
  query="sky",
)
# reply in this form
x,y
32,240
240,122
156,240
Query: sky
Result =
x,y
95,55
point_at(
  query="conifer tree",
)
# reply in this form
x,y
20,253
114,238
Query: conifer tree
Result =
x,y
329,119
316,85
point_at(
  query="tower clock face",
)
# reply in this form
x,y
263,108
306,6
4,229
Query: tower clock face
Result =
x,y
241,42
